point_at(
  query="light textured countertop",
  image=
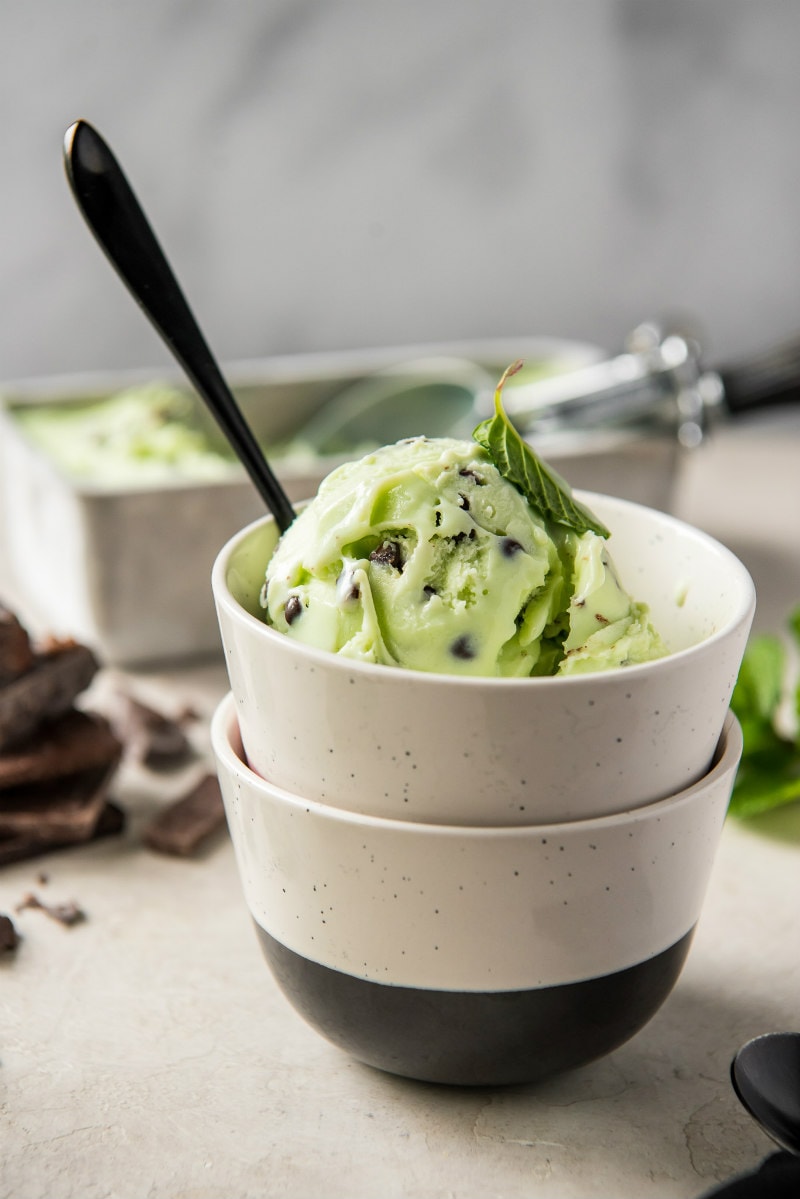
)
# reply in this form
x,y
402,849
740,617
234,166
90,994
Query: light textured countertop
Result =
x,y
147,1052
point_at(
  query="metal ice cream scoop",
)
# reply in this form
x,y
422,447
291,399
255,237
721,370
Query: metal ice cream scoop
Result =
x,y
659,384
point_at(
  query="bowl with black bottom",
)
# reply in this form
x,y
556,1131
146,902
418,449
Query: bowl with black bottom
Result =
x,y
472,955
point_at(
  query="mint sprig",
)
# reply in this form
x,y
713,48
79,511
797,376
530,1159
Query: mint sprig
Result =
x,y
769,772
543,488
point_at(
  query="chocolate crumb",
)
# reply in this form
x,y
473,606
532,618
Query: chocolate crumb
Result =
x,y
63,913
429,590
600,618
292,608
437,518
388,553
463,648
9,937
467,472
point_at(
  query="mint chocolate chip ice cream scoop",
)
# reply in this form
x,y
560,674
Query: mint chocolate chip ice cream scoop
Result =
x,y
424,555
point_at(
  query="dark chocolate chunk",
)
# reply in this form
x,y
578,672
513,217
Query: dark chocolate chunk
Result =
x,y
150,736
429,590
16,652
388,553
9,937
463,648
45,692
31,844
292,608
463,501
509,547
75,742
184,825
63,810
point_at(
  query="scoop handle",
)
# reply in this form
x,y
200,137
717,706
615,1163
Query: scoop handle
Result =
x,y
114,215
765,380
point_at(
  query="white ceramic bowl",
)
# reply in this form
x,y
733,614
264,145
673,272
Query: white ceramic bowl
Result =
x,y
423,747
472,955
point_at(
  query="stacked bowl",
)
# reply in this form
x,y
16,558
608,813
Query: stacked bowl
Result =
x,y
482,881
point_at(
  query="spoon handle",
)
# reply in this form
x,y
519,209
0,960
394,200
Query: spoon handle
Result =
x,y
114,215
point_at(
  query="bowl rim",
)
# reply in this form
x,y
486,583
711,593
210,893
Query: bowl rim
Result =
x,y
602,678
225,735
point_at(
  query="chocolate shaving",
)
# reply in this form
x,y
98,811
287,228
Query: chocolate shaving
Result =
x,y
9,937
64,913
45,692
181,828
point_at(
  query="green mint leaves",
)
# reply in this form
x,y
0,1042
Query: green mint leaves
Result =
x,y
769,772
543,488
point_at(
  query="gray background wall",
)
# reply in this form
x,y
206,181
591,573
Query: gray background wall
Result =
x,y
337,174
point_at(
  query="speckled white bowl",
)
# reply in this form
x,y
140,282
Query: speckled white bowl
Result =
x,y
472,955
425,747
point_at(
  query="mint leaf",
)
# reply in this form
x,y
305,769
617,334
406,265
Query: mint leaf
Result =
x,y
769,772
759,688
543,488
768,777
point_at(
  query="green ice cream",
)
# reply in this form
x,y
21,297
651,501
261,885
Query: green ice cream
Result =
x,y
423,555
142,435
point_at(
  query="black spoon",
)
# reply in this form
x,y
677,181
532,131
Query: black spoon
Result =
x,y
112,212
766,1077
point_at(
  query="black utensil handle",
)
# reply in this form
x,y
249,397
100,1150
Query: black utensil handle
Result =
x,y
114,215
764,381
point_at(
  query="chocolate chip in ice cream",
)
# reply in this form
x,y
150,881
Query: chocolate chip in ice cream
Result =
x,y
293,608
463,648
388,553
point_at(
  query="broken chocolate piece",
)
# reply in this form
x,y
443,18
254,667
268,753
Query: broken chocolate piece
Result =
x,y
181,828
150,736
16,652
45,692
65,913
75,742
9,937
32,844
65,808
